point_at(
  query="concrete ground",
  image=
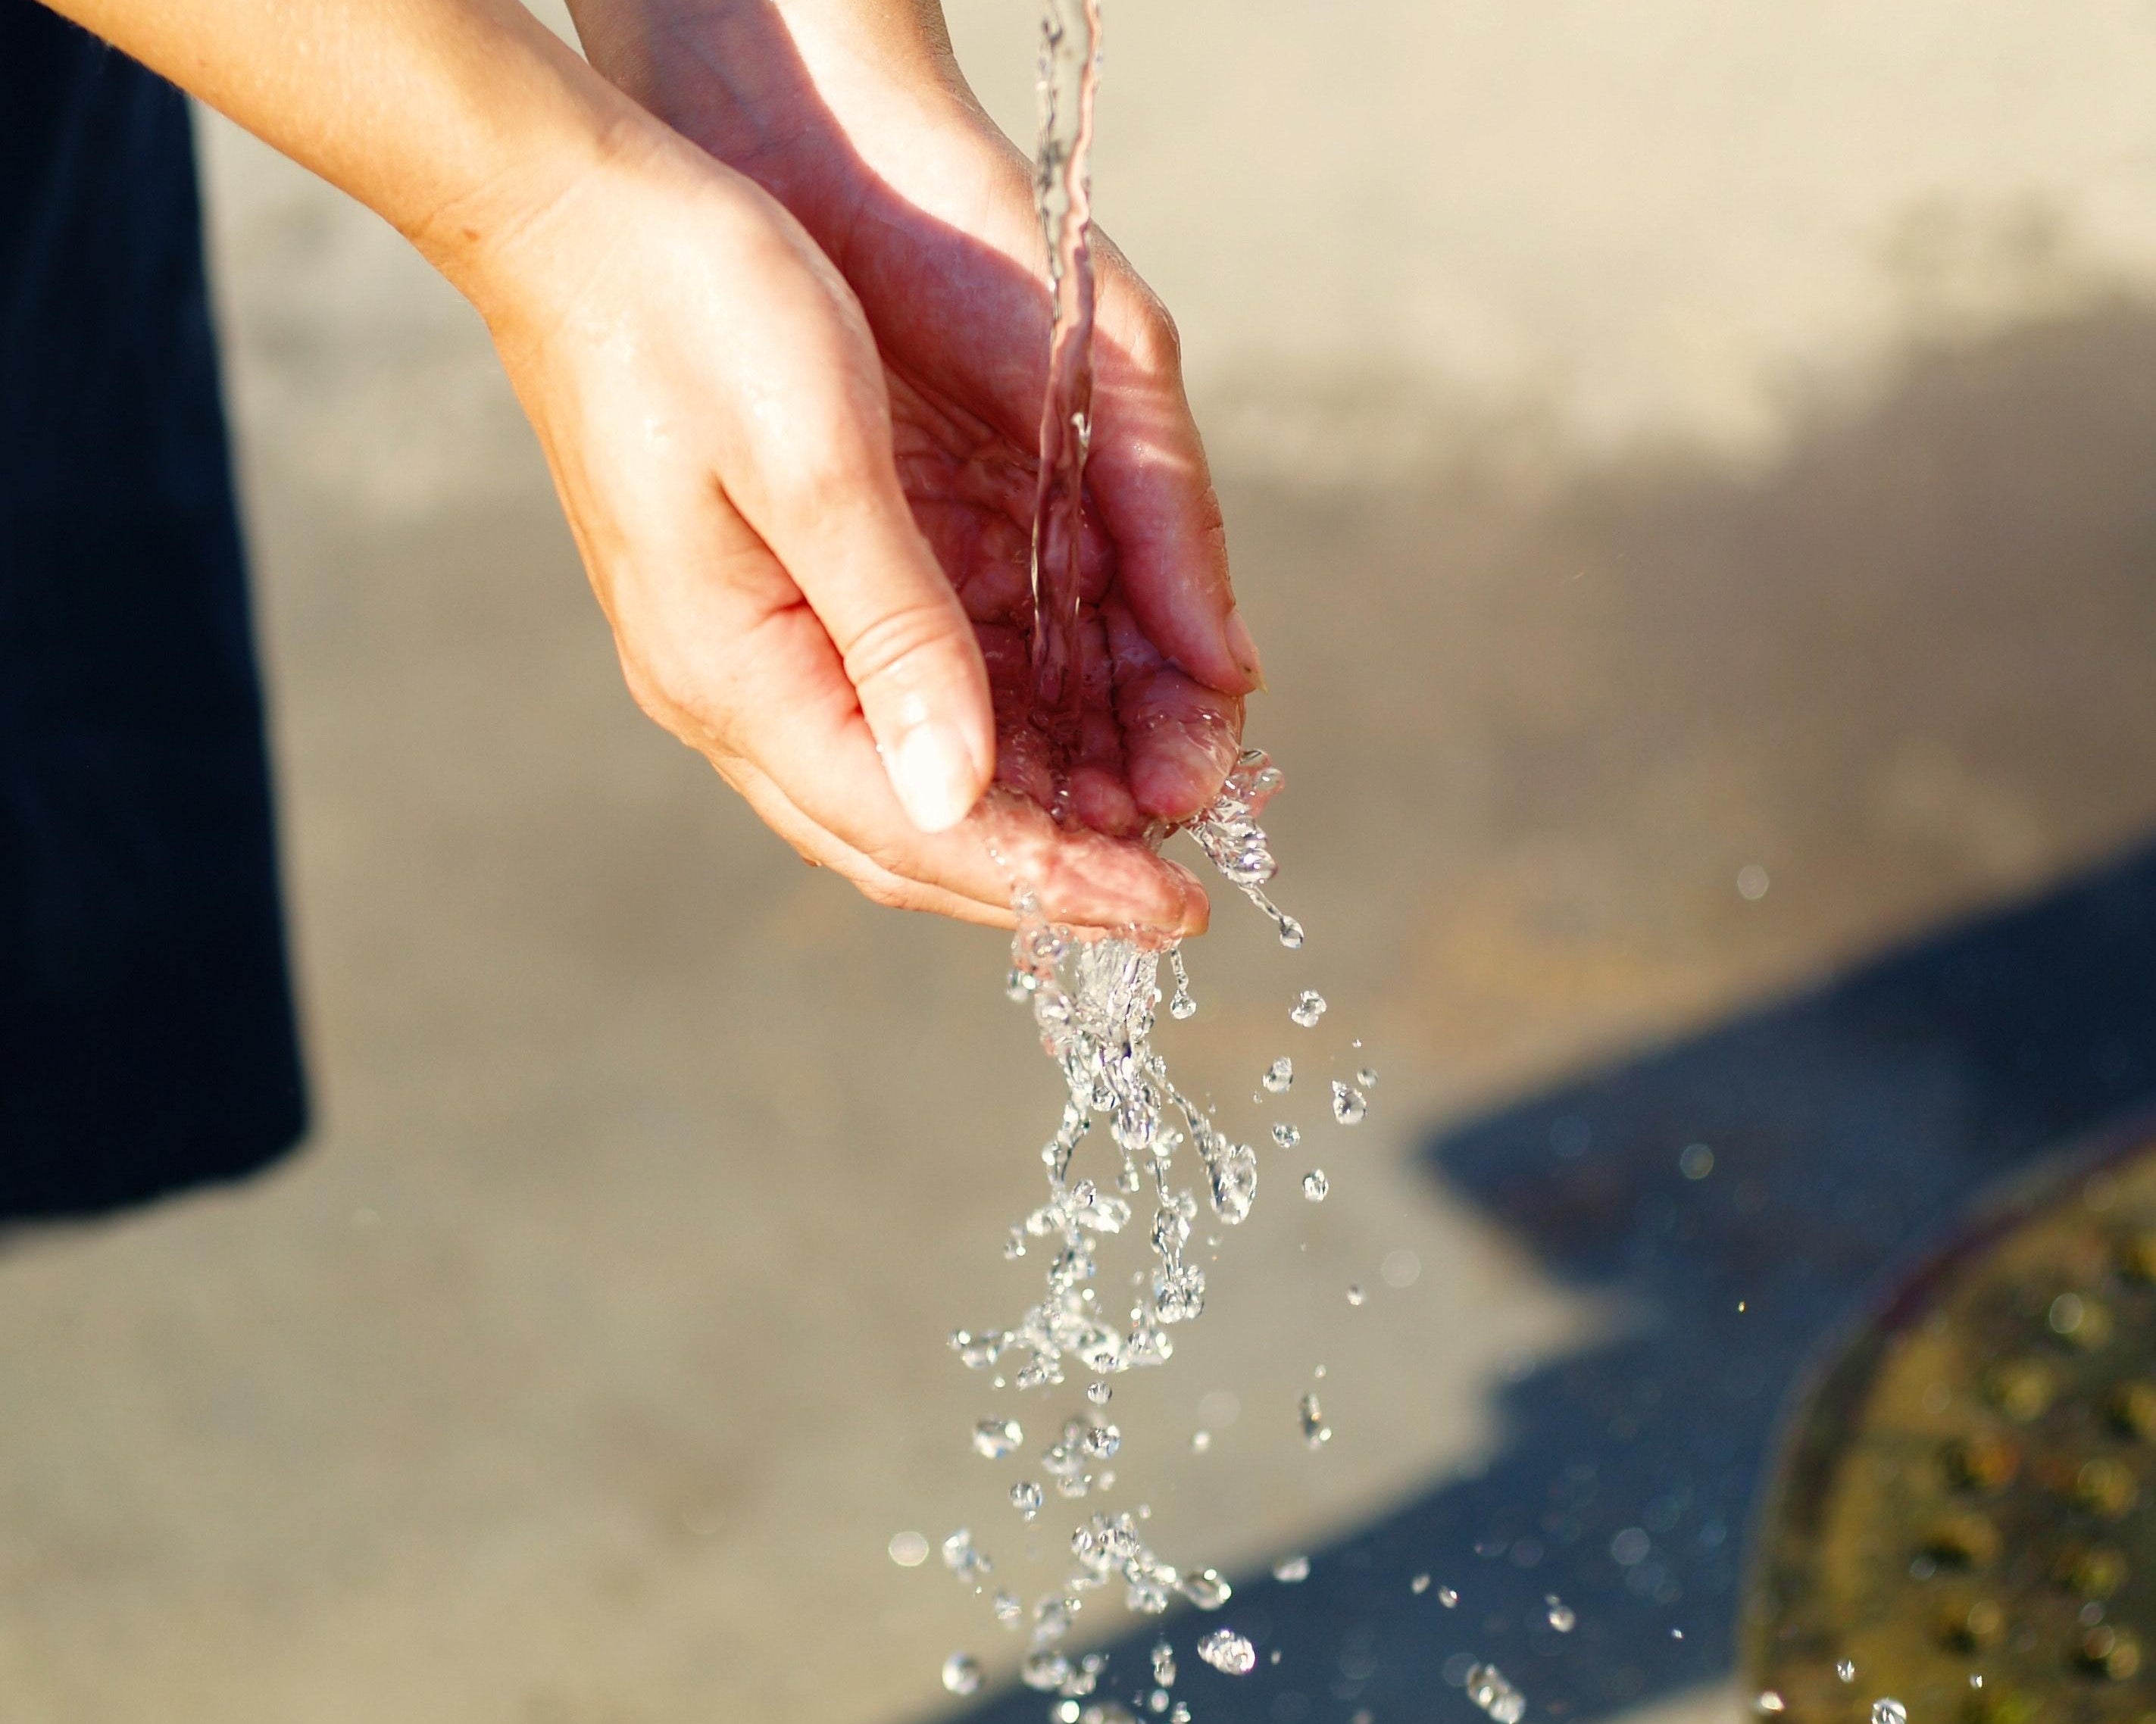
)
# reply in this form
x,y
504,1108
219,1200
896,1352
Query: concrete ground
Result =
x,y
1660,440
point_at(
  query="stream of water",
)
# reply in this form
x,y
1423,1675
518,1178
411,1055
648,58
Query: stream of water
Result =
x,y
1094,998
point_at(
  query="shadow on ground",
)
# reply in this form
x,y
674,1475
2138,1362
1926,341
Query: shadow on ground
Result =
x,y
1844,1125
1942,560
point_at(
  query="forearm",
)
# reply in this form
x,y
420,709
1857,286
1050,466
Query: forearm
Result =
x,y
456,120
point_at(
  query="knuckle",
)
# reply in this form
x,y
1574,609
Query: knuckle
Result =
x,y
898,638
888,891
1159,346
831,470
677,697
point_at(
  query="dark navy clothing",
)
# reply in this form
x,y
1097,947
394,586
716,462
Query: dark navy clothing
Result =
x,y
146,1035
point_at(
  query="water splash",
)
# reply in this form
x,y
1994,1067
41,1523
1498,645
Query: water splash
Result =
x,y
995,1438
1488,1688
1229,1653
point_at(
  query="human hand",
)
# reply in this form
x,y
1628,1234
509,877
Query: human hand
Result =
x,y
712,405
852,114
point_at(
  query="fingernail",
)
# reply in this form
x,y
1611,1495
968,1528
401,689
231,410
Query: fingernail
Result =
x,y
932,771
1242,648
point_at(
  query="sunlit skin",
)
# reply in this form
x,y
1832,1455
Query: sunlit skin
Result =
x,y
786,365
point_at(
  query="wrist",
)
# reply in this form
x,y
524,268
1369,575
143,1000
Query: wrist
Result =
x,y
544,143
744,79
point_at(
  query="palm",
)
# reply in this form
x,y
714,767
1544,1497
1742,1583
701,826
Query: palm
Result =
x,y
926,210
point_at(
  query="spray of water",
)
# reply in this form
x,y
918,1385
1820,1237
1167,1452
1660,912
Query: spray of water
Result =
x,y
1094,998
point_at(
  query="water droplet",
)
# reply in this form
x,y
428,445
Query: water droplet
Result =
x,y
962,1559
909,1550
1418,1585
962,1674
1286,1135
1562,1616
1889,1711
1098,1393
1314,1430
1025,1497
1180,1005
995,1438
1769,1703
1007,1607
1448,1598
1230,1654
1366,1078
1291,1571
1163,1665
1846,1669
1207,1589
1101,1441
1697,1160
1349,1104
1044,1670
1290,933
1488,1689
1280,1076
1308,1008
1356,1295
1200,1442
1315,1185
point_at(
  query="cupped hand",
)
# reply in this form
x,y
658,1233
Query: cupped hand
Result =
x,y
852,114
717,421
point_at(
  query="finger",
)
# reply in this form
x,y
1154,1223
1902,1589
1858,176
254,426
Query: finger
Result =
x,y
792,719
820,485
1180,737
1153,492
826,849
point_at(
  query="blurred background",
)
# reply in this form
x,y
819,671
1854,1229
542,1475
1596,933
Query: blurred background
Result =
x,y
1691,465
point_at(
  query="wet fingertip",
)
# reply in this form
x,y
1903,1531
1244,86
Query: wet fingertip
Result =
x,y
1197,909
1242,648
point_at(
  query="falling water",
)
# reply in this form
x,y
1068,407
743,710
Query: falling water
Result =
x,y
1069,70
1094,997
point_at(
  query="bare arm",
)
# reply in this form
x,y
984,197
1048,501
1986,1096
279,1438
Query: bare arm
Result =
x,y
456,120
711,400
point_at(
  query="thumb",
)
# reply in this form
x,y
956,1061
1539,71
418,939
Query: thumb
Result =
x,y
845,535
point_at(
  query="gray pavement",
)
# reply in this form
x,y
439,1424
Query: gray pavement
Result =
x,y
1658,441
